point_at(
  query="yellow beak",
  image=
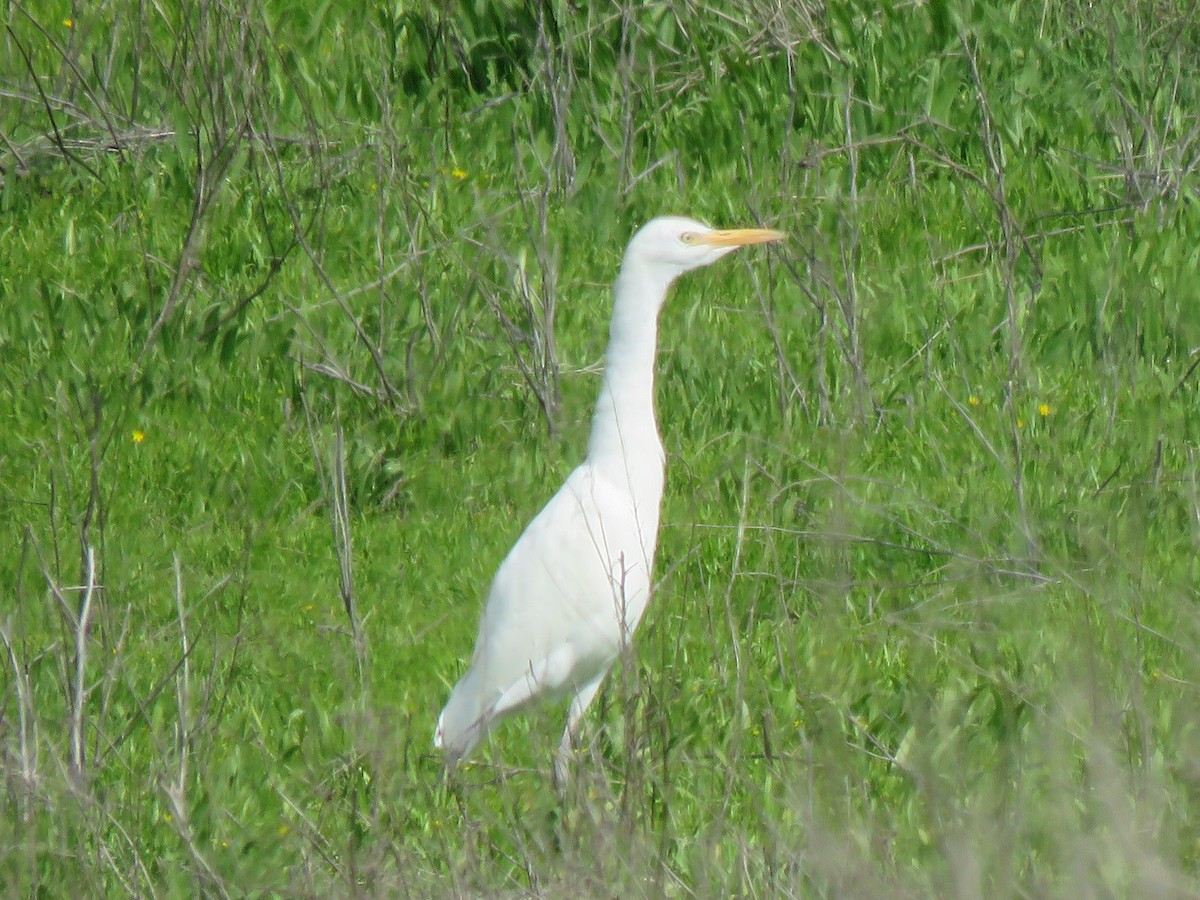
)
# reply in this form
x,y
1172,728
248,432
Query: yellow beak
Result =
x,y
740,237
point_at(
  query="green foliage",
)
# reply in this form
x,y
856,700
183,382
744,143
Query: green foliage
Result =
x,y
926,606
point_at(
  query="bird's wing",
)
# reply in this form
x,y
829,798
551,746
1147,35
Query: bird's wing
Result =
x,y
578,577
565,599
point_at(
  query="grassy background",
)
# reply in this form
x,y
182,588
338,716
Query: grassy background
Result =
x,y
302,310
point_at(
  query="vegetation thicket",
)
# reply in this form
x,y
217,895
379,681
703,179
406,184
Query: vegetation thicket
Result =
x,y
301,312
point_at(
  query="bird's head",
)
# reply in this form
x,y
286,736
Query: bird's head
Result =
x,y
679,244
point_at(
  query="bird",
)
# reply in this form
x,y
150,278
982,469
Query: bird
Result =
x,y
569,595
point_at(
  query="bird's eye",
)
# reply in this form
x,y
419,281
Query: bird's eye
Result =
x,y
687,237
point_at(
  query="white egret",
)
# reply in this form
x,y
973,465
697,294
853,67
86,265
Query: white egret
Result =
x,y
572,590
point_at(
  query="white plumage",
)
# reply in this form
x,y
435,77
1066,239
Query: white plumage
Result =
x,y
573,589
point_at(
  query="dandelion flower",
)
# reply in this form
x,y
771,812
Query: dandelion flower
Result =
x,y
284,831
458,173
138,435
1043,409
973,400
68,23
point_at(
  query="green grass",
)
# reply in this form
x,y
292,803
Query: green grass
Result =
x,y
926,616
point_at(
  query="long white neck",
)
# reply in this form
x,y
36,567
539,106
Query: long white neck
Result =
x,y
625,445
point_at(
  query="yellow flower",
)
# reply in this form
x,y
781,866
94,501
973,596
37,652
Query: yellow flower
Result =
x,y
138,435
458,173
68,23
284,831
1020,423
973,400
1043,409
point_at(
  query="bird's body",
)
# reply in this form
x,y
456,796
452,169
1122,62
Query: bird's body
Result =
x,y
572,590
601,583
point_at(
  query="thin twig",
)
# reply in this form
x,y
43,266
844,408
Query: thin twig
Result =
x,y
82,626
